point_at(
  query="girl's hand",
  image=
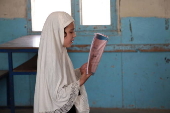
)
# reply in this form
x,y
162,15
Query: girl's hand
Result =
x,y
84,76
82,68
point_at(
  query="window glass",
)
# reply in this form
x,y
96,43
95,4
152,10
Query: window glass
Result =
x,y
95,12
40,9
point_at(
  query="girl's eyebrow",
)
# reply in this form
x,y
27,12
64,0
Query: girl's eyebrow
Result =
x,y
72,29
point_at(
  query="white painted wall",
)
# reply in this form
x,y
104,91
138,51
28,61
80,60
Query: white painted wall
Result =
x,y
128,8
13,8
145,8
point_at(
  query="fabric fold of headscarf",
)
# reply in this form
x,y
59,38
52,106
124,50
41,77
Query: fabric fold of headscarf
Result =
x,y
57,83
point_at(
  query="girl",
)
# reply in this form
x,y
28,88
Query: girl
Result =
x,y
59,88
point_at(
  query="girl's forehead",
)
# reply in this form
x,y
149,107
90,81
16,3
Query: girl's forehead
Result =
x,y
71,25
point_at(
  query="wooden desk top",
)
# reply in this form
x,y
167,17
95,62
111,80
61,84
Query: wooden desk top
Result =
x,y
25,42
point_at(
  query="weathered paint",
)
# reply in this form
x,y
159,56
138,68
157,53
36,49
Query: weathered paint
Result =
x,y
125,48
145,30
130,27
167,24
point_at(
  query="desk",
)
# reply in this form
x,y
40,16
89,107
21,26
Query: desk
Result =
x,y
23,44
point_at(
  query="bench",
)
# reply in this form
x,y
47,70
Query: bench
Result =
x,y
3,73
28,66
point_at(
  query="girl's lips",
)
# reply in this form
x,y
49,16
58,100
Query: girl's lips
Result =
x,y
72,40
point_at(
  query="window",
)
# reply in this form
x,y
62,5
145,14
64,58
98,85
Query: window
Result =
x,y
95,12
108,28
40,9
90,16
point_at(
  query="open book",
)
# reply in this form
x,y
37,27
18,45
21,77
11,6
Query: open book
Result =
x,y
96,50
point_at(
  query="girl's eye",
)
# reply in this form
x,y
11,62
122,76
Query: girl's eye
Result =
x,y
72,32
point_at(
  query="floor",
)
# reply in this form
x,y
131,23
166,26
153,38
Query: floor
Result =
x,y
95,110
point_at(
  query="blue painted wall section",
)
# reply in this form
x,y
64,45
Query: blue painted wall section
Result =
x,y
12,28
131,79
105,87
138,30
9,30
146,80
123,79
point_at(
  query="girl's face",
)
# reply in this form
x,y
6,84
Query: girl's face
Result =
x,y
69,36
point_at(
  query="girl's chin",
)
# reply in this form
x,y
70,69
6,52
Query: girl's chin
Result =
x,y
69,45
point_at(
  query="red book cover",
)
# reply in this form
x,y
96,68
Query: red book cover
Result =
x,y
96,50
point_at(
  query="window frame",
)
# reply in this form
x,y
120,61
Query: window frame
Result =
x,y
82,30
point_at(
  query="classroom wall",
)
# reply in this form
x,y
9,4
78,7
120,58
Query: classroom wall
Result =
x,y
123,79
13,24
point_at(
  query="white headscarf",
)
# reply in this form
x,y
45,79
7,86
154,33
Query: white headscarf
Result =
x,y
57,83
